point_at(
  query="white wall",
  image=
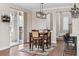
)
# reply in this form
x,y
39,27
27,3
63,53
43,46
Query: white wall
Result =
x,y
38,23
4,33
27,25
75,26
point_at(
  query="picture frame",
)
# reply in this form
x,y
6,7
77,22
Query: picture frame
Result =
x,y
5,18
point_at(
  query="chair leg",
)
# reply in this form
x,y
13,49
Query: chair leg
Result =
x,y
32,46
38,44
43,46
47,45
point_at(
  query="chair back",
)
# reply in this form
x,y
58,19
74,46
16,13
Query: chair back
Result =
x,y
49,34
35,33
65,39
67,35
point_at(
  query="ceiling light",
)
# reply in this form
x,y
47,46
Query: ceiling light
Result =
x,y
75,11
40,14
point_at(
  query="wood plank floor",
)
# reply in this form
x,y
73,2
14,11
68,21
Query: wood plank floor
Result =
x,y
14,51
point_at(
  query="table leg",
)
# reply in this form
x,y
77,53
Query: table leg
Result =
x,y
43,45
29,41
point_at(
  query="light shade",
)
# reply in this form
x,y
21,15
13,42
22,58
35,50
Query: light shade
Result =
x,y
41,15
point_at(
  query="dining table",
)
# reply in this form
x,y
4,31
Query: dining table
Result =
x,y
41,34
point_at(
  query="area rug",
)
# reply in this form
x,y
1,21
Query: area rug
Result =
x,y
38,52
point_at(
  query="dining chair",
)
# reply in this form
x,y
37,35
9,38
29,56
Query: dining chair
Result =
x,y
49,38
70,43
46,39
36,39
68,40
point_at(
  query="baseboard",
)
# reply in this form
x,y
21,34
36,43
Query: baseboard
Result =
x,y
14,45
4,48
7,47
60,38
26,42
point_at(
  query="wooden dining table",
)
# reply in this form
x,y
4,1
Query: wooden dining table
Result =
x,y
41,34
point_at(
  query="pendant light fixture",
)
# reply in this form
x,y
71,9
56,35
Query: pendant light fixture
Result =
x,y
40,14
75,11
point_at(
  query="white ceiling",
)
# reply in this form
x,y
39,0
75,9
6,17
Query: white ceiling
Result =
x,y
32,6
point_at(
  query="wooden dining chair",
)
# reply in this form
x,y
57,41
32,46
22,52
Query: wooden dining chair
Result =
x,y
36,39
49,38
45,31
46,39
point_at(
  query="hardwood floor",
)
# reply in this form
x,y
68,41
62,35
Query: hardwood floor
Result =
x,y
14,51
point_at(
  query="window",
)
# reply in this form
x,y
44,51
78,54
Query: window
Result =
x,y
65,24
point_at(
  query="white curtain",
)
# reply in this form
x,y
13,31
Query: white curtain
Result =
x,y
62,23
13,27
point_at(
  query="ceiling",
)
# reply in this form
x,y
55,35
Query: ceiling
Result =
x,y
32,6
